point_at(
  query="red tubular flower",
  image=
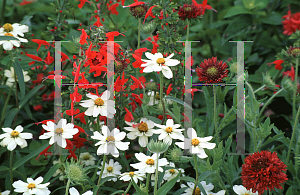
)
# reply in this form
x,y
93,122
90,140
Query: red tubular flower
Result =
x,y
263,171
83,37
212,71
291,23
290,73
40,42
204,6
25,2
169,89
81,117
119,84
136,3
277,64
128,117
82,2
49,59
38,107
112,8
98,23
34,57
149,13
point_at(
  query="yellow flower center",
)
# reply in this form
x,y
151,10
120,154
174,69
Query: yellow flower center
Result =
x,y
8,34
86,157
7,27
157,96
295,51
172,171
150,161
160,61
131,173
197,191
59,131
14,133
109,169
212,71
110,138
169,129
143,127
99,102
195,142
31,186
247,194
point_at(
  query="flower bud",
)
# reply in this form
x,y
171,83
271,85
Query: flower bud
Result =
x,y
233,67
157,147
175,154
75,172
268,81
287,84
148,28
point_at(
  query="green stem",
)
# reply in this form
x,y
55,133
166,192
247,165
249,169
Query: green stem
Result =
x,y
11,170
257,90
17,99
2,11
139,33
161,93
5,105
98,124
293,135
296,155
67,188
188,30
148,181
115,24
102,169
269,101
128,188
61,165
196,169
295,88
270,192
156,174
215,113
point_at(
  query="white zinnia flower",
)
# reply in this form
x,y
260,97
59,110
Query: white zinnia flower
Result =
x,y
197,144
10,74
143,130
147,164
87,159
13,31
59,133
158,63
191,185
169,131
6,192
12,138
99,105
32,187
136,175
111,169
241,190
172,173
73,191
110,142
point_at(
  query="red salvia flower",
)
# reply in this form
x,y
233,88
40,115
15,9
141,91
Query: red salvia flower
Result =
x,y
204,6
49,59
82,2
81,117
149,13
25,2
263,171
83,37
136,3
277,64
291,23
34,57
128,117
40,42
212,71
112,8
290,73
98,23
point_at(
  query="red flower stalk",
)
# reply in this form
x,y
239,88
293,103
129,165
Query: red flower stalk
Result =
x,y
212,71
263,171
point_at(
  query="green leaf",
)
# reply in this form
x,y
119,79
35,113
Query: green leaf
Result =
x,y
236,10
26,19
30,94
137,188
118,192
20,76
3,168
29,156
180,191
187,178
103,180
154,119
21,168
10,117
168,186
178,101
249,4
274,18
51,172
7,38
204,175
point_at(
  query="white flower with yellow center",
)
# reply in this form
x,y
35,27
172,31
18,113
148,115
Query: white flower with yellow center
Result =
x,y
99,105
87,159
191,186
147,164
6,192
59,133
110,142
241,190
169,131
111,169
73,191
143,130
158,63
136,175
196,144
13,31
32,187
172,173
10,74
12,138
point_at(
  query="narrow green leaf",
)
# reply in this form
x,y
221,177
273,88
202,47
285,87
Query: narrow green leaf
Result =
x,y
137,188
118,192
179,101
30,94
21,168
180,191
236,10
7,38
168,186
3,168
10,117
29,156
7,181
95,189
19,72
103,180
204,175
51,172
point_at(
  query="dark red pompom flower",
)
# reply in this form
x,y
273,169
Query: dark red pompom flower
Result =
x,y
189,11
263,171
212,71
